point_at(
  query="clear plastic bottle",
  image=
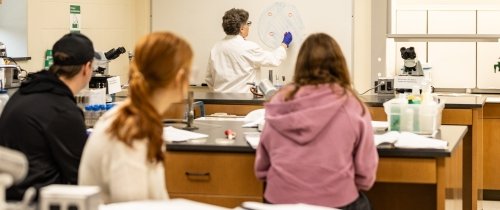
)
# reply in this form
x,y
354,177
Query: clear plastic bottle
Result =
x,y
95,114
88,115
102,109
4,97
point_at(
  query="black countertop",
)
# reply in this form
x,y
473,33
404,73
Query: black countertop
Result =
x,y
458,101
228,98
215,130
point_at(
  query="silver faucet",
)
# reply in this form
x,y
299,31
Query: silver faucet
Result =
x,y
189,116
190,112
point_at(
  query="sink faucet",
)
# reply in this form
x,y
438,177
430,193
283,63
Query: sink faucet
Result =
x,y
189,116
190,112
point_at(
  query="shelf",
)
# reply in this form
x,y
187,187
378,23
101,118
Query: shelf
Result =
x,y
445,37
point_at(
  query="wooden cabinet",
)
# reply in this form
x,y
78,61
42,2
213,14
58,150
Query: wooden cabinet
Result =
x,y
473,149
240,110
491,125
224,179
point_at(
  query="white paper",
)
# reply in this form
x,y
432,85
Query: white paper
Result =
x,y
380,125
410,140
114,85
253,138
178,135
254,118
389,137
299,206
490,99
176,203
414,141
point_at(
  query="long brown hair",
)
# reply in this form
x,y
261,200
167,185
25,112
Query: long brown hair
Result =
x,y
321,61
158,58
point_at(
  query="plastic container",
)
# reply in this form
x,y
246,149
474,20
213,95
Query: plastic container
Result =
x,y
4,97
416,118
88,115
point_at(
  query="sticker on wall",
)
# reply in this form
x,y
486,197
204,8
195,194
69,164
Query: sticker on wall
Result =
x,y
75,18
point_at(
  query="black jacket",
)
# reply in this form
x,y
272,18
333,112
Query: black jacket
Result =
x,y
43,121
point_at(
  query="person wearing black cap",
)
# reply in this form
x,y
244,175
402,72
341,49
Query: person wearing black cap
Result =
x,y
43,121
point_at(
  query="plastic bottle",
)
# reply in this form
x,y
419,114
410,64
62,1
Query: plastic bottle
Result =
x,y
94,114
102,109
87,114
4,97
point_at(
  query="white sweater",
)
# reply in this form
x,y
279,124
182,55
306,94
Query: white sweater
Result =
x,y
122,172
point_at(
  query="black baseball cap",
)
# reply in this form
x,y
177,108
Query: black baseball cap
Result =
x,y
73,49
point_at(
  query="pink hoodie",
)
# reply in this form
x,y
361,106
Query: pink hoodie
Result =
x,y
317,148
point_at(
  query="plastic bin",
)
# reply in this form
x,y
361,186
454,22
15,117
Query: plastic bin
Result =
x,y
416,118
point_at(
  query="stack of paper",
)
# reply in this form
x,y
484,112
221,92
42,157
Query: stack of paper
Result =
x,y
410,141
414,141
177,135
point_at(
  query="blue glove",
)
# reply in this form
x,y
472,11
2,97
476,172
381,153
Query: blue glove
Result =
x,y
287,38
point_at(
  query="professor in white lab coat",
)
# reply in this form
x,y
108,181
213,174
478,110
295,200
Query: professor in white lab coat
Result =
x,y
234,61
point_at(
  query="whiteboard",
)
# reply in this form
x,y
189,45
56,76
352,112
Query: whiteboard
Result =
x,y
200,23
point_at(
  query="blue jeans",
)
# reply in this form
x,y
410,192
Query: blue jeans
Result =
x,y
361,203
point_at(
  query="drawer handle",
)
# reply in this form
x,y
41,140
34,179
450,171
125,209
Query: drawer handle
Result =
x,y
197,174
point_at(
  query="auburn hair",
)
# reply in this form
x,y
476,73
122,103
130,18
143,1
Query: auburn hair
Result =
x,y
158,58
321,61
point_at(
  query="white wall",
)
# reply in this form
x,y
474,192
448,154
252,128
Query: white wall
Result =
x,y
13,27
190,17
48,20
362,45
108,23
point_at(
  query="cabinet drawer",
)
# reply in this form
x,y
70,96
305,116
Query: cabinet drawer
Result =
x,y
211,173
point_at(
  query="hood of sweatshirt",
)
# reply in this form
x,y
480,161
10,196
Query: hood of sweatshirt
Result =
x,y
45,81
304,117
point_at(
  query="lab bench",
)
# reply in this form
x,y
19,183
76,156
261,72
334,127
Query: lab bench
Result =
x,y
222,174
459,110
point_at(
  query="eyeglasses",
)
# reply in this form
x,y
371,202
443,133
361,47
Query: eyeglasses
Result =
x,y
249,23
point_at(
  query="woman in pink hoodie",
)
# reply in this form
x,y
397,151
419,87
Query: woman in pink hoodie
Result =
x,y
317,144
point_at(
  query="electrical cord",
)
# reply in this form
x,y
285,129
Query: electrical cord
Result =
x,y
376,86
21,70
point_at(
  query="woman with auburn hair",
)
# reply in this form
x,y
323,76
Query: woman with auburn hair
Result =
x,y
124,153
317,144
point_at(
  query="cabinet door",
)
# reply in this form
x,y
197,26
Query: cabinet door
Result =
x,y
228,174
487,56
488,53
453,64
488,22
411,22
452,22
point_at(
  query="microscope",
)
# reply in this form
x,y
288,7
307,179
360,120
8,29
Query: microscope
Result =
x,y
100,73
9,74
411,75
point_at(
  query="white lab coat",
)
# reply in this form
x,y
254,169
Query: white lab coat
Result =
x,y
235,61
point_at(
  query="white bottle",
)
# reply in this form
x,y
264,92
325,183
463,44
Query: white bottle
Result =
x,y
4,97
